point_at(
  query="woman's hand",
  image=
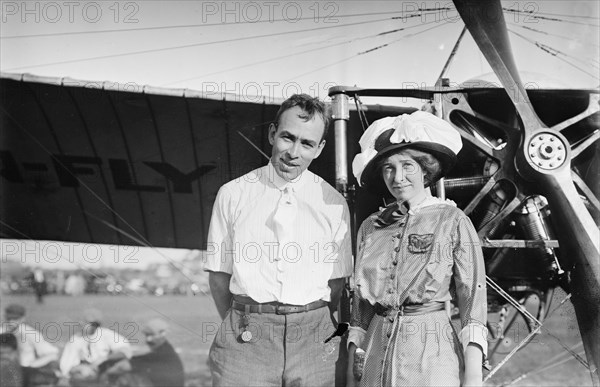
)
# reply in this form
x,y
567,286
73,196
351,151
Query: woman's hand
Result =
x,y
473,366
350,380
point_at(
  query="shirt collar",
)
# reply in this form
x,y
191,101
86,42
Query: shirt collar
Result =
x,y
280,183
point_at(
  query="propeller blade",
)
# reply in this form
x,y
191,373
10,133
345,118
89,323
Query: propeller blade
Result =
x,y
544,159
579,240
485,21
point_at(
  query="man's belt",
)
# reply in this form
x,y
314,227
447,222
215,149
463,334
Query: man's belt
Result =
x,y
248,305
410,309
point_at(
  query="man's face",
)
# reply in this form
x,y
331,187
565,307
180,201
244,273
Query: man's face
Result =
x,y
87,328
296,142
154,338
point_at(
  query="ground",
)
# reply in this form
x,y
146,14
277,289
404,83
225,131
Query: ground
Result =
x,y
194,321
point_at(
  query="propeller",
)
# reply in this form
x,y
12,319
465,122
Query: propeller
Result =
x,y
545,158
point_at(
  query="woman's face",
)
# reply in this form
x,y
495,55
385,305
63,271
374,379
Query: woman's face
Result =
x,y
403,177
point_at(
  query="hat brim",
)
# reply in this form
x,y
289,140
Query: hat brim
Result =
x,y
373,181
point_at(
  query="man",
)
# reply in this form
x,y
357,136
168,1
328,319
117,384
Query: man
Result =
x,y
279,244
38,282
162,365
37,357
10,370
94,345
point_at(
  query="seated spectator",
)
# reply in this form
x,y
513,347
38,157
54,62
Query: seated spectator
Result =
x,y
162,367
94,345
10,370
162,364
37,357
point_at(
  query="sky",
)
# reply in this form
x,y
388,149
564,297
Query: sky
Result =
x,y
273,49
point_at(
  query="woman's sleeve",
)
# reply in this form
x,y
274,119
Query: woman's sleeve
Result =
x,y
362,310
469,278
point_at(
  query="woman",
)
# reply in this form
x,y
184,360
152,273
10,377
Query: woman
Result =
x,y
412,255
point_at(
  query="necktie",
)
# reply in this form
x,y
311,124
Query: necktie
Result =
x,y
284,215
391,214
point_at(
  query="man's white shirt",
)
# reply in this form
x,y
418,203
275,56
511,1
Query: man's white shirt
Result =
x,y
242,240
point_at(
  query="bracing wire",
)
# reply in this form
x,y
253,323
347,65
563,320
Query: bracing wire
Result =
x,y
222,41
231,40
528,28
555,53
534,15
188,26
367,51
292,54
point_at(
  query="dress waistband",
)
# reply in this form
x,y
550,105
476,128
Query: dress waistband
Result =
x,y
248,305
410,309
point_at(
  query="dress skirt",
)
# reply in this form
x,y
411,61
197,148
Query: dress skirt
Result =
x,y
413,350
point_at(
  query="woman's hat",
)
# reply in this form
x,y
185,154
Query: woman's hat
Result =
x,y
420,130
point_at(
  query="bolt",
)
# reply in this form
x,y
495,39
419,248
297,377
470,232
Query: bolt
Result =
x,y
532,155
540,138
559,147
532,144
539,163
551,165
559,158
551,138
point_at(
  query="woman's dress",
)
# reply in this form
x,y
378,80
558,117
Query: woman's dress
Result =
x,y
406,259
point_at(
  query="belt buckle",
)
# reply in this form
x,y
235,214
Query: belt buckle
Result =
x,y
280,309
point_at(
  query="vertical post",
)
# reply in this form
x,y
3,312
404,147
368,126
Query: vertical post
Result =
x,y
341,114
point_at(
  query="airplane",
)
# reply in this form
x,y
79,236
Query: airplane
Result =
x,y
91,162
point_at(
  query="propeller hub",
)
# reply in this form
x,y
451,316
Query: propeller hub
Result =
x,y
546,151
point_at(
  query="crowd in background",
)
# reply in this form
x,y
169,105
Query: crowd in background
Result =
x,y
94,355
157,279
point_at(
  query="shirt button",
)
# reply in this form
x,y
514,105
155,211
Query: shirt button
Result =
x,y
391,319
393,275
397,248
390,290
394,262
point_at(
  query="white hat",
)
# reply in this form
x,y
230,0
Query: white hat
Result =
x,y
419,130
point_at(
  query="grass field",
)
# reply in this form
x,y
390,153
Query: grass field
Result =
x,y
194,321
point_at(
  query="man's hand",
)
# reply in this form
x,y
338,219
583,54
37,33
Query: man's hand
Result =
x,y
219,288
336,286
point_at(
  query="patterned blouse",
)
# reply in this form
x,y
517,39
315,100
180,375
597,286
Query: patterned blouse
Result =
x,y
428,253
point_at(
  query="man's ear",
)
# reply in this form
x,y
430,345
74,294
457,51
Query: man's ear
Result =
x,y
272,131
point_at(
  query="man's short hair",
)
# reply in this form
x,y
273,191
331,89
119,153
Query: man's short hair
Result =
x,y
14,311
310,106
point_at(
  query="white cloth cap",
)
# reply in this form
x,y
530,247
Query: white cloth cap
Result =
x,y
418,126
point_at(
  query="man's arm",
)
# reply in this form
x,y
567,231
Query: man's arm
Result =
x,y
336,286
219,288
45,353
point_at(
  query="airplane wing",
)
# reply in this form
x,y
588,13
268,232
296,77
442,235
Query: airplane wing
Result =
x,y
116,164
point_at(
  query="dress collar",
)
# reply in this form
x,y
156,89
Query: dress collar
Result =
x,y
397,210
